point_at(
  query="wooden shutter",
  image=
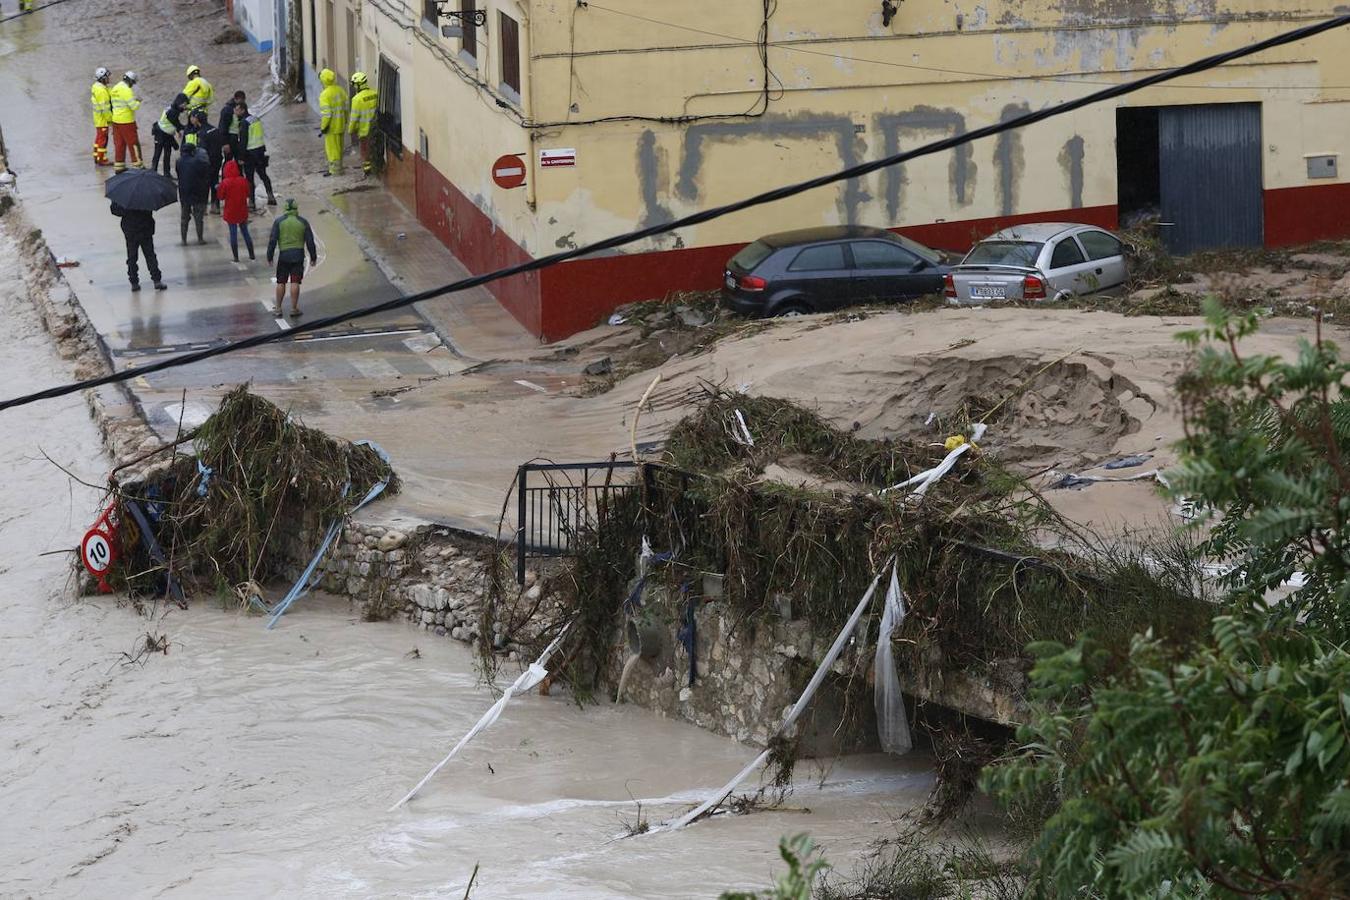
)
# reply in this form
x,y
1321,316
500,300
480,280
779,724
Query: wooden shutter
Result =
x,y
510,37
470,40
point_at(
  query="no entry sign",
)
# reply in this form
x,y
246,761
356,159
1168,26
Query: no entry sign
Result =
x,y
509,172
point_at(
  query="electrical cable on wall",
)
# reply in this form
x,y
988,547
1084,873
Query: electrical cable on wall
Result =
x,y
708,215
1067,78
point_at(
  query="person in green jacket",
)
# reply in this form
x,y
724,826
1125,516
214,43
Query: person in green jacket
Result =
x,y
292,236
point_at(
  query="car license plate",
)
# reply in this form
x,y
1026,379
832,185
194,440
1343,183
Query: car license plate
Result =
x,y
731,282
988,291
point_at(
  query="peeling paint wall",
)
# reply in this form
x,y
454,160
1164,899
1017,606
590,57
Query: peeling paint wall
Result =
x,y
843,89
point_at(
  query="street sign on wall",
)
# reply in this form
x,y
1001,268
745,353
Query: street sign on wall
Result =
x,y
553,159
509,171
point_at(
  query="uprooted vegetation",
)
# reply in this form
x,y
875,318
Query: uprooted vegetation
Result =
x,y
987,567
225,513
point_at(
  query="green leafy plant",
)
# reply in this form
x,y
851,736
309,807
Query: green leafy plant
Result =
x,y
1227,772
1266,455
805,867
1222,770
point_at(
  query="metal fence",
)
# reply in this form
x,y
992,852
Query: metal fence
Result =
x,y
556,501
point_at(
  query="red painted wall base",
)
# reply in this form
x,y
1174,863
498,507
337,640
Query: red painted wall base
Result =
x,y
568,298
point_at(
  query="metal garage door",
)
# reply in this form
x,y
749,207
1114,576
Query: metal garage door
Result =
x,y
1210,162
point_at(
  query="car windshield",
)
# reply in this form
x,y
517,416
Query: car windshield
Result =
x,y
751,256
1003,253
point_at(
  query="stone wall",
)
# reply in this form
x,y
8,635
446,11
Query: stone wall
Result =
x,y
748,674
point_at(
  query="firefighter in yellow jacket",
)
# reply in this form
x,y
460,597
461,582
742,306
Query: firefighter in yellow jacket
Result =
x,y
364,104
333,110
198,90
101,102
126,142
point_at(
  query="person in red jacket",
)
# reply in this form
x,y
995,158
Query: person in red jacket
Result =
x,y
234,192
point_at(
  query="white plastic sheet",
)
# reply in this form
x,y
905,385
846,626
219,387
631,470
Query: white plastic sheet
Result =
x,y
892,720
527,680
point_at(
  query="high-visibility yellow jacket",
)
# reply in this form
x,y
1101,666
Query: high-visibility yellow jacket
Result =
x,y
124,103
364,105
332,104
199,93
253,129
101,103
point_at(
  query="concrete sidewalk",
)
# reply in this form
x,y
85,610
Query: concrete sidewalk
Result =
x,y
347,380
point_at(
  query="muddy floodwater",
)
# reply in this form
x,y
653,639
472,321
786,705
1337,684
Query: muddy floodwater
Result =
x,y
247,763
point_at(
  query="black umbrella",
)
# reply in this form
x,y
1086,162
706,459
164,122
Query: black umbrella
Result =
x,y
141,189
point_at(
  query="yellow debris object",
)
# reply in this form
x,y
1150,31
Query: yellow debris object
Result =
x,y
957,440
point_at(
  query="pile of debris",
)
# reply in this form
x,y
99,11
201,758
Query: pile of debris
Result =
x,y
226,514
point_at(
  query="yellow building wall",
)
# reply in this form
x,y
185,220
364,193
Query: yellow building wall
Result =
x,y
843,89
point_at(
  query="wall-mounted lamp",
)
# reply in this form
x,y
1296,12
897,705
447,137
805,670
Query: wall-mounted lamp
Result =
x,y
475,19
888,10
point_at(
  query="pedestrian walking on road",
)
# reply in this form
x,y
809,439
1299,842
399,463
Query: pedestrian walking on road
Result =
x,y
233,193
333,124
364,104
101,101
126,142
198,91
138,227
255,154
211,141
194,185
166,132
229,127
292,237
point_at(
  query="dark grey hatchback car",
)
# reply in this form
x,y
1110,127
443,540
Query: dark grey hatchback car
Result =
x,y
820,269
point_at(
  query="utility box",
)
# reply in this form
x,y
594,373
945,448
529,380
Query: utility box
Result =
x,y
1322,166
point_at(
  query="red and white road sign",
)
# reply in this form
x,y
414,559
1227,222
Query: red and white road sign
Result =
x,y
98,553
552,159
99,547
509,171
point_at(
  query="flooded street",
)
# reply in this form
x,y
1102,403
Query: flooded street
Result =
x,y
248,763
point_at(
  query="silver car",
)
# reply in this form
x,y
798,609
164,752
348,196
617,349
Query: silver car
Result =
x,y
1044,261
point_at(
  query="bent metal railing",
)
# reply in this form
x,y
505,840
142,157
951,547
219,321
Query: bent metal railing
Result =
x,y
556,501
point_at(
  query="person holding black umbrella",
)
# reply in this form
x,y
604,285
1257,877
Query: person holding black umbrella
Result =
x,y
138,228
134,196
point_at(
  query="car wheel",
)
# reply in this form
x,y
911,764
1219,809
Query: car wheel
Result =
x,y
792,310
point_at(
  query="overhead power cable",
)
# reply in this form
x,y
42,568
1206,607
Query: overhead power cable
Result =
x,y
707,215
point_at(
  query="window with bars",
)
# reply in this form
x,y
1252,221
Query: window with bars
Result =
x,y
469,43
509,30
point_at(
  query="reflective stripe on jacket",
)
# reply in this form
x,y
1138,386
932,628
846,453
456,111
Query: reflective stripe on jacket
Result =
x,y
101,103
332,104
364,105
199,92
124,103
168,121
256,140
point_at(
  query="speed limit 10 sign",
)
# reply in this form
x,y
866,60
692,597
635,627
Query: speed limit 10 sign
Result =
x,y
98,550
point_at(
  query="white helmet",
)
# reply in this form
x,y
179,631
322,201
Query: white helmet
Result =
x,y
130,78
101,74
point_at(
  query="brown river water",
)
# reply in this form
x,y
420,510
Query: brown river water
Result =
x,y
247,763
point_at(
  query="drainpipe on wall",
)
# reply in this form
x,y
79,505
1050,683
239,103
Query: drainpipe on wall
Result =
x,y
530,195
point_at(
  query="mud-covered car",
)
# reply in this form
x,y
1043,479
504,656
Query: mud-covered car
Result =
x,y
1044,261
820,269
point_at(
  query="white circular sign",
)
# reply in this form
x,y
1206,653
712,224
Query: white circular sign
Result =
x,y
97,552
